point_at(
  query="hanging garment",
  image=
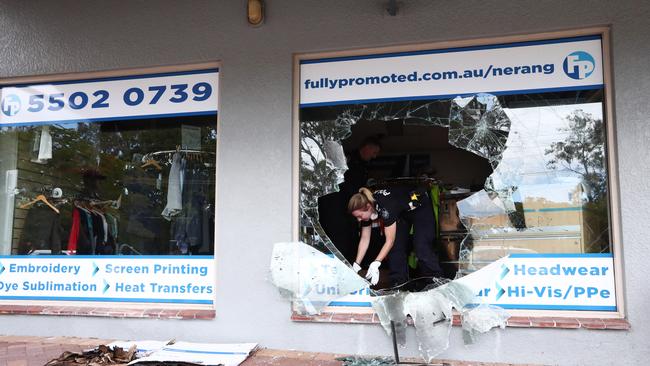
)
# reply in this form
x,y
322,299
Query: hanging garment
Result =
x,y
192,230
42,230
207,244
112,225
143,227
104,226
45,146
187,226
89,230
84,245
74,231
174,189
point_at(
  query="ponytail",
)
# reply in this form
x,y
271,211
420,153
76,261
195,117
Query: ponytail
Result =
x,y
360,200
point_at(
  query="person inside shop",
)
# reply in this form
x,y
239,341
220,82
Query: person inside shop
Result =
x,y
357,174
342,229
399,210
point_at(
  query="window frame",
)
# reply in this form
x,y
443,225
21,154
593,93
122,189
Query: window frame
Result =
x,y
110,308
610,145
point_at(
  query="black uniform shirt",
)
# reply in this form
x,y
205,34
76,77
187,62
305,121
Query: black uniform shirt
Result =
x,y
392,202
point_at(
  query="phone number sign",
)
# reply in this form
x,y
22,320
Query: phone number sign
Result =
x,y
130,97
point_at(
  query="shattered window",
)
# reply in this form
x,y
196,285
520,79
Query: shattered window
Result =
x,y
497,175
465,182
446,201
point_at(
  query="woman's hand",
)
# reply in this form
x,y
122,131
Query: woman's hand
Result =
x,y
373,272
356,267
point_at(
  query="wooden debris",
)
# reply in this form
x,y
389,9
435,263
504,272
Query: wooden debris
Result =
x,y
100,356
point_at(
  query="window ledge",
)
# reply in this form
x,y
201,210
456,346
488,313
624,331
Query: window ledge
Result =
x,y
515,321
106,312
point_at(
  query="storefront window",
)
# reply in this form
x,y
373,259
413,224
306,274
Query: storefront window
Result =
x,y
115,167
113,186
469,162
537,169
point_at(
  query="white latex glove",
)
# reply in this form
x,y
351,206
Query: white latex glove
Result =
x,y
373,272
356,267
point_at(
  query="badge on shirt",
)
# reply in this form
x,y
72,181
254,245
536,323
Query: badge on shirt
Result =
x,y
414,201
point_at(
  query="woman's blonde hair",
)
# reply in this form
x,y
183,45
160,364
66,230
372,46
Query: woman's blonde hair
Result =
x,y
360,200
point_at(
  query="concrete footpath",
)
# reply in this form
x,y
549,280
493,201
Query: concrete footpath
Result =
x,y
37,351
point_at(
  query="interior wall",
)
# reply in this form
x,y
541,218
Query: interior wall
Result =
x,y
255,145
451,165
460,168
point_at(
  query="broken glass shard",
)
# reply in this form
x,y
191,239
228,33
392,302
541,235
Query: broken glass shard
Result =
x,y
310,278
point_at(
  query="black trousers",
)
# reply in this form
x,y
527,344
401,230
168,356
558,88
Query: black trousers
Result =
x,y
423,222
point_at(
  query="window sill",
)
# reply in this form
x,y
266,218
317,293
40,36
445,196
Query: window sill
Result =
x,y
515,321
107,312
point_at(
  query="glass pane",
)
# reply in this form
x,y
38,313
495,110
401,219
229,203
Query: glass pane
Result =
x,y
120,187
499,175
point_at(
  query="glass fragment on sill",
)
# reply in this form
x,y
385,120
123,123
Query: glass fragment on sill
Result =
x,y
480,319
432,316
366,361
432,311
310,278
391,308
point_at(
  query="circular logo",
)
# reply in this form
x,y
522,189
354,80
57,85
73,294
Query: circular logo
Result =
x,y
579,65
10,105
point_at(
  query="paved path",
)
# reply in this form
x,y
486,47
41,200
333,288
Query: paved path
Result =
x,y
37,351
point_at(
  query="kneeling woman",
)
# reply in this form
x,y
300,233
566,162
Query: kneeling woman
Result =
x,y
399,209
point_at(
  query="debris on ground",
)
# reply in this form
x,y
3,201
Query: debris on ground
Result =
x,y
100,356
366,361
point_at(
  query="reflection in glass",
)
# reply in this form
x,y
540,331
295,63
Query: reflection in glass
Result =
x,y
101,188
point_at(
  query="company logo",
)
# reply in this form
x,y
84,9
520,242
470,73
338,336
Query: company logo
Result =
x,y
579,65
10,105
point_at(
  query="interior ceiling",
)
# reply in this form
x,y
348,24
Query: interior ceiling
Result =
x,y
397,137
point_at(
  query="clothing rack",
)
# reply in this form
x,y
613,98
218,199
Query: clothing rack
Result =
x,y
94,202
150,156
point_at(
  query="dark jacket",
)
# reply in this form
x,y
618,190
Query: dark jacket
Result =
x,y
42,230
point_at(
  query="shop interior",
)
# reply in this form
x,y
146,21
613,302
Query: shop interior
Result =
x,y
416,151
134,187
418,156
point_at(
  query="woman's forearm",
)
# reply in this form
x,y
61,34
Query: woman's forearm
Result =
x,y
389,232
364,242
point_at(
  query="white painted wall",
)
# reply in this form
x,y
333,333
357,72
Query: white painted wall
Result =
x,y
254,209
